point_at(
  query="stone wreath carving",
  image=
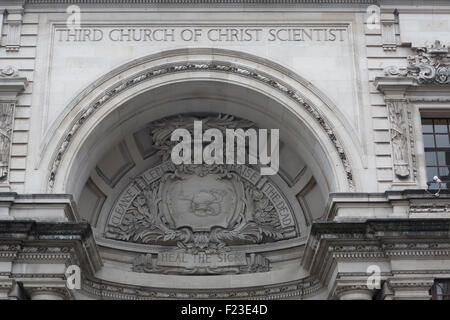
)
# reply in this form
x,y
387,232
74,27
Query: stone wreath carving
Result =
x,y
200,208
430,66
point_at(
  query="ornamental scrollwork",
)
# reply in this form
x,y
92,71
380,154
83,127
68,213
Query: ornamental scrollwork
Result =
x,y
199,208
430,65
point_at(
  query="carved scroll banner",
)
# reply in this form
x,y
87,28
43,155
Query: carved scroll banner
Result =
x,y
180,262
398,118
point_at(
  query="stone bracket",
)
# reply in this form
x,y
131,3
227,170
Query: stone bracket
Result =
x,y
388,31
14,19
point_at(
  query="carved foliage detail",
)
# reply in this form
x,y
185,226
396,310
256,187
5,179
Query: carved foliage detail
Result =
x,y
430,65
6,123
399,137
199,208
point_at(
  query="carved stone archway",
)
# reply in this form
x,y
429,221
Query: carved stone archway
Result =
x,y
299,97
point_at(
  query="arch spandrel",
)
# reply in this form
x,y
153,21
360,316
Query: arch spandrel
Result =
x,y
104,95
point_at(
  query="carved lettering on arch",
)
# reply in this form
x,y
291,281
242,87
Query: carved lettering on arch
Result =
x,y
201,208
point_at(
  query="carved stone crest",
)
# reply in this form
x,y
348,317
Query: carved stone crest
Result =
x,y
203,209
200,208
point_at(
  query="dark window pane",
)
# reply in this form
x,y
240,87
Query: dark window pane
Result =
x,y
443,174
428,141
427,126
440,126
434,185
443,158
441,290
436,138
442,141
430,158
431,172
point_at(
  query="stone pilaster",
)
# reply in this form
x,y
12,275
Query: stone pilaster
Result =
x,y
400,137
11,84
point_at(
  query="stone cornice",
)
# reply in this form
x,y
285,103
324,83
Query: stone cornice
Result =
x,y
430,66
11,84
62,206
206,2
74,240
387,239
414,201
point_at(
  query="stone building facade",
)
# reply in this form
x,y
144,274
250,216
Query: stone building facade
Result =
x,y
91,90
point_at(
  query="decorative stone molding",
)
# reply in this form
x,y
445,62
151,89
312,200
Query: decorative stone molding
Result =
x,y
10,86
426,73
50,243
391,239
206,66
399,204
410,288
2,17
292,290
226,204
400,137
353,292
49,207
431,65
49,293
388,31
42,244
14,21
192,2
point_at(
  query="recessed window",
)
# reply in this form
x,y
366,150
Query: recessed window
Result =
x,y
436,138
441,290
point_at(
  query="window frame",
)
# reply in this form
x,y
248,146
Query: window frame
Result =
x,y
435,150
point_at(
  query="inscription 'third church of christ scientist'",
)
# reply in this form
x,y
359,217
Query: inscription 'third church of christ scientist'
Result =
x,y
313,34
